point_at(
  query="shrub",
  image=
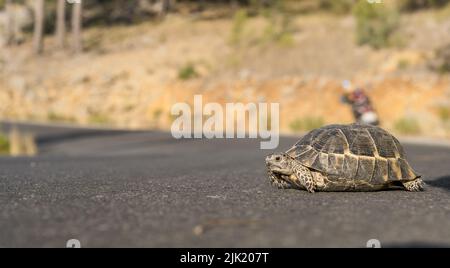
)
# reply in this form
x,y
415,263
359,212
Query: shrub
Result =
x,y
337,6
279,27
188,71
99,119
441,61
239,21
411,5
444,113
54,117
407,126
157,114
306,124
375,24
403,64
4,144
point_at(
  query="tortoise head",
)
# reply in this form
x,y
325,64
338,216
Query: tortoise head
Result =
x,y
279,170
279,164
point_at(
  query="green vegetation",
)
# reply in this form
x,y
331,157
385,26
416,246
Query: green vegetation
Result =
x,y
187,72
157,114
337,6
411,5
407,126
4,144
99,119
403,64
54,117
108,12
239,21
441,61
444,113
444,116
306,124
279,27
171,117
18,143
375,24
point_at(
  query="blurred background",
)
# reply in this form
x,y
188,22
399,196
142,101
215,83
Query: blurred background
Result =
x,y
125,63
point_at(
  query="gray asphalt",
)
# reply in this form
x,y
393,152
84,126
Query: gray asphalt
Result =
x,y
145,189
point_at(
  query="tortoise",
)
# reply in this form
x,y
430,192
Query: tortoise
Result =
x,y
355,157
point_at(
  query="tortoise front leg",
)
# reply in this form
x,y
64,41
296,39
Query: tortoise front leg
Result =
x,y
303,178
278,182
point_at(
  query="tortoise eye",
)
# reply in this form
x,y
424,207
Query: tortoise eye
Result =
x,y
277,158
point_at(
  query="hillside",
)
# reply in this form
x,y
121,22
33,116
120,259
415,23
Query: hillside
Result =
x,y
130,76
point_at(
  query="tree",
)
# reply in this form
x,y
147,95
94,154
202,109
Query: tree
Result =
x,y
76,26
60,22
38,42
166,6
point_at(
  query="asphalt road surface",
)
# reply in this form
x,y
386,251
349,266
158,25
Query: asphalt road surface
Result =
x,y
145,189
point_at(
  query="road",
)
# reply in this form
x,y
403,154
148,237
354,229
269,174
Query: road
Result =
x,y
144,189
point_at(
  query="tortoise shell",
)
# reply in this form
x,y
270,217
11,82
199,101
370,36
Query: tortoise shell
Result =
x,y
354,152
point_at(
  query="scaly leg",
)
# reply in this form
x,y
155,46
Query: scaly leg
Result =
x,y
304,178
416,185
